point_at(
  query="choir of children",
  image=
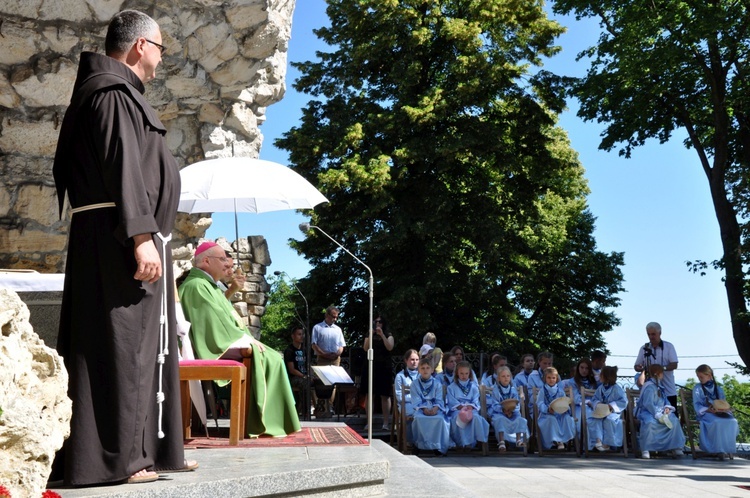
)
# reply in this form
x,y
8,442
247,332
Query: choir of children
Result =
x,y
445,405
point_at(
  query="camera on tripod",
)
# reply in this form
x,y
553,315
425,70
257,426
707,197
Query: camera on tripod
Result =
x,y
647,350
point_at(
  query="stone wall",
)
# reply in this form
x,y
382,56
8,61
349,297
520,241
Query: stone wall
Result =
x,y
225,63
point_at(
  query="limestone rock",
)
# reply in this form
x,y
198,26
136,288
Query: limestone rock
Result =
x,y
260,250
28,204
29,138
36,410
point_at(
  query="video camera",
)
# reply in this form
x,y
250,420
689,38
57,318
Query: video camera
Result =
x,y
647,350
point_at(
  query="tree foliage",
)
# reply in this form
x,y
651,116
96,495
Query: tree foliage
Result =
x,y
668,65
439,151
282,313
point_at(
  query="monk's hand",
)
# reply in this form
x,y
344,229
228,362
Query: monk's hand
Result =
x,y
147,258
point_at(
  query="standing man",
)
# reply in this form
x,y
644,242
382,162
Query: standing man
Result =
x,y
123,187
328,344
656,351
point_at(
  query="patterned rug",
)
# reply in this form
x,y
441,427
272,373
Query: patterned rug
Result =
x,y
308,436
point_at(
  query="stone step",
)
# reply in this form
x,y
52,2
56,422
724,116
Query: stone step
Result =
x,y
341,471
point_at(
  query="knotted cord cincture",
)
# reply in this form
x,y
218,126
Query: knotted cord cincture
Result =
x,y
163,332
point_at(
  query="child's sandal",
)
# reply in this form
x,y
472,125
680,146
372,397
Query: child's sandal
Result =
x,y
501,446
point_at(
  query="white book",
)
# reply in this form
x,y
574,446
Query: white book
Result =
x,y
332,374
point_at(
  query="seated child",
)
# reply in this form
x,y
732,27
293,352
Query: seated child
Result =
x,y
583,377
606,432
404,379
718,427
449,364
555,428
660,429
430,427
525,369
467,426
598,361
506,420
489,377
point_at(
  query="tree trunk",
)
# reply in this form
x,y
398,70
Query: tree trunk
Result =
x,y
734,277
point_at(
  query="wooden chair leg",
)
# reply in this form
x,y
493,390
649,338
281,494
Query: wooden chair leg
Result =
x,y
186,408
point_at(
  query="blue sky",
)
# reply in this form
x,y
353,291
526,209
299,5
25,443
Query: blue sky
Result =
x,y
654,206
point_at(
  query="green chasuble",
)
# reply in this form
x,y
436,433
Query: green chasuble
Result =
x,y
214,326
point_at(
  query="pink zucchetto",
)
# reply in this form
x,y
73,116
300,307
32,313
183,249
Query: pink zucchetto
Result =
x,y
205,247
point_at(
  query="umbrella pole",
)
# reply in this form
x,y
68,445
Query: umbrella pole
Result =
x,y
236,233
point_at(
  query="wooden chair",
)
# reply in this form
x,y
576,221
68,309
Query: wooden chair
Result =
x,y
483,392
399,420
577,442
632,422
690,423
537,435
231,370
583,435
529,414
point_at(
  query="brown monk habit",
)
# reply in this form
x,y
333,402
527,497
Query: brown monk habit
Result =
x,y
112,150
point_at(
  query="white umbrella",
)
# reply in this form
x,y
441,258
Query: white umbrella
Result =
x,y
244,184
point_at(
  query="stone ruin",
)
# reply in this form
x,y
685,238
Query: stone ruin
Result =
x,y
225,63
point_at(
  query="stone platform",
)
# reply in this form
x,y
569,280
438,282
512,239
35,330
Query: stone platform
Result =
x,y
331,471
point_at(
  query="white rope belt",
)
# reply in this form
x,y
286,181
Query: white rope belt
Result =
x,y
163,331
89,207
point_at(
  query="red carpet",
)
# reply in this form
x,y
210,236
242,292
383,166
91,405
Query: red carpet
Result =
x,y
308,436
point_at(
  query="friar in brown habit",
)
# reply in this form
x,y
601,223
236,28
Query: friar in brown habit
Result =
x,y
123,186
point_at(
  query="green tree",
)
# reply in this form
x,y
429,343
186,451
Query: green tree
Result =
x,y
282,313
663,66
439,151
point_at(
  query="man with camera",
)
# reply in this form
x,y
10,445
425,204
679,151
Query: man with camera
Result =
x,y
656,351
